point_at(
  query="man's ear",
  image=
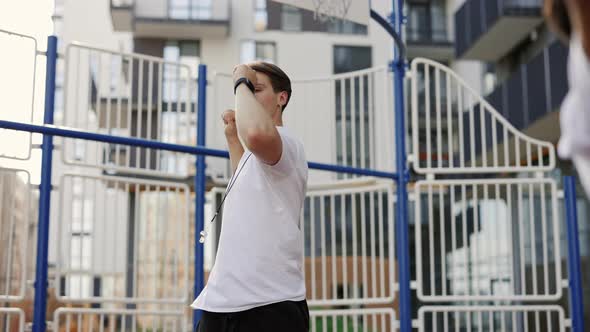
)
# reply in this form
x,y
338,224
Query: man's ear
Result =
x,y
283,96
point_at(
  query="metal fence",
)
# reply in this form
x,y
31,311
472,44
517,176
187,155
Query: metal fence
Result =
x,y
121,262
348,235
12,319
15,222
21,64
492,318
344,117
492,239
487,214
458,132
131,95
132,235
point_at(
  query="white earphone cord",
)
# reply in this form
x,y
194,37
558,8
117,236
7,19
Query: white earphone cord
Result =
x,y
232,181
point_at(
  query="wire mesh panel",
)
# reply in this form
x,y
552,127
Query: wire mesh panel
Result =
x,y
348,243
74,319
17,91
123,240
454,130
546,318
128,95
346,118
12,320
15,214
493,239
353,320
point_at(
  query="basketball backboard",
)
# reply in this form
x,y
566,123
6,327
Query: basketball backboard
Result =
x,y
351,10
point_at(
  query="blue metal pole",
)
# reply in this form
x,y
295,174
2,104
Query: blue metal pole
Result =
x,y
200,189
195,150
131,141
573,248
402,225
40,309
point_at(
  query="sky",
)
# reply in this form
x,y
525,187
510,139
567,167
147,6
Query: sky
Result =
x,y
17,70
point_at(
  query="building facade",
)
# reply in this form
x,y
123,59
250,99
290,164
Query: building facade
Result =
x,y
503,49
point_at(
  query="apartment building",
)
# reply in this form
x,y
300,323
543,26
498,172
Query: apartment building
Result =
x,y
501,48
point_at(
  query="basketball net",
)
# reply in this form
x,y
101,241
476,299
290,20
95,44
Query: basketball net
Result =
x,y
331,10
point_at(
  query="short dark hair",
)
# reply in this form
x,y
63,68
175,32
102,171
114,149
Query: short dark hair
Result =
x,y
556,14
278,79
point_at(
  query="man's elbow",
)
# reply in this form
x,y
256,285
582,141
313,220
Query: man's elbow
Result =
x,y
266,146
257,140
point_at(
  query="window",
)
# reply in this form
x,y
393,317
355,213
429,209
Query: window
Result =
x,y
438,21
175,81
427,21
81,250
290,18
346,27
174,125
252,50
418,22
351,58
79,150
260,15
190,9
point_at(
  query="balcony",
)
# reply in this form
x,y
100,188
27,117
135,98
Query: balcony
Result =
x,y
488,29
530,97
430,43
172,19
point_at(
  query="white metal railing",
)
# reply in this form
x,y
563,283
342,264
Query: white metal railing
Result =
x,y
462,132
491,239
488,239
349,243
120,320
353,320
15,209
17,86
342,119
129,95
132,235
12,320
491,318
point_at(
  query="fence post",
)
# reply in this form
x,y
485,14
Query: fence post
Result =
x,y
200,188
40,307
402,226
573,255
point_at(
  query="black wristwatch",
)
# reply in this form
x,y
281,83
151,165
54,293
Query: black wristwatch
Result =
x,y
246,81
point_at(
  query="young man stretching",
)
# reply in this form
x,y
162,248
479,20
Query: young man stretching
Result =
x,y
257,282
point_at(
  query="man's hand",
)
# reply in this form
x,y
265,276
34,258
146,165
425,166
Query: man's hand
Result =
x,y
231,135
229,120
244,71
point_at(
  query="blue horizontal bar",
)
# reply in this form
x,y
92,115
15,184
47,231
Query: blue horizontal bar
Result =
x,y
352,170
195,150
52,130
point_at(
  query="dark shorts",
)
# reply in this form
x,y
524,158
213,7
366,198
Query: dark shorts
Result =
x,y
287,316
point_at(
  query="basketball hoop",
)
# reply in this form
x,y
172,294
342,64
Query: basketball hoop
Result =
x,y
330,10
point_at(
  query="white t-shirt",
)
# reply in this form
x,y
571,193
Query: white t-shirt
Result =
x,y
260,255
575,109
575,113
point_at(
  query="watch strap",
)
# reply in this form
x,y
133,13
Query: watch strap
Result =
x,y
245,81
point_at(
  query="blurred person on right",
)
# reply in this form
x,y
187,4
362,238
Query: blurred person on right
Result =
x,y
570,19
